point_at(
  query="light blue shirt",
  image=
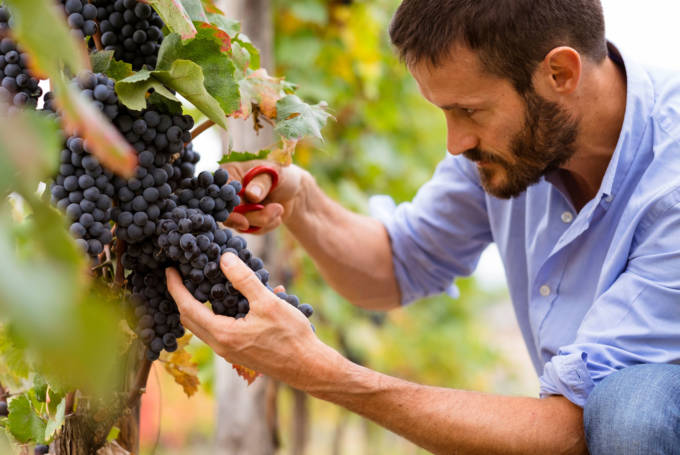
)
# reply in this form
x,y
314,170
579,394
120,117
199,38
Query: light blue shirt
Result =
x,y
593,291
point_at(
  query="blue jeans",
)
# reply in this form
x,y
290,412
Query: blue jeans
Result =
x,y
635,411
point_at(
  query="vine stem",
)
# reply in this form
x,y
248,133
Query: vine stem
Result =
x,y
97,37
140,383
70,400
120,272
201,128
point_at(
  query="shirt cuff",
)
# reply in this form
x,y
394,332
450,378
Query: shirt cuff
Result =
x,y
382,208
567,375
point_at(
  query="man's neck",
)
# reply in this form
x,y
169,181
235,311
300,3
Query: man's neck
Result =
x,y
602,110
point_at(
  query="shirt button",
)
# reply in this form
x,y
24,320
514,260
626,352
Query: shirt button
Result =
x,y
567,217
609,198
544,290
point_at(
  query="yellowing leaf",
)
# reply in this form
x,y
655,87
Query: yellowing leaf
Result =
x,y
210,7
181,366
262,89
284,154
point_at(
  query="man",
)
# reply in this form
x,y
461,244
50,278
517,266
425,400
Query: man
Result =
x,y
565,154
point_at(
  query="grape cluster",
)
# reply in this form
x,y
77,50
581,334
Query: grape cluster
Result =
x,y
41,449
17,85
81,17
191,239
83,189
156,317
211,193
158,138
100,89
166,216
184,167
132,29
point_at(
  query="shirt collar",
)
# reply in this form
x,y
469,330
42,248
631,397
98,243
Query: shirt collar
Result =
x,y
639,107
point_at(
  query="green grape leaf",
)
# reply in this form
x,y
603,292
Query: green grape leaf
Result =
x,y
252,50
194,9
54,46
296,118
186,77
132,91
171,106
208,51
23,422
103,62
241,58
183,76
212,32
56,397
40,388
56,421
237,157
231,26
174,16
13,366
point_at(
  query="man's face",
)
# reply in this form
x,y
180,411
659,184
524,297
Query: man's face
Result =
x,y
513,139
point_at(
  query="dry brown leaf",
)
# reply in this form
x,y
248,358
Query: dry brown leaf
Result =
x,y
246,373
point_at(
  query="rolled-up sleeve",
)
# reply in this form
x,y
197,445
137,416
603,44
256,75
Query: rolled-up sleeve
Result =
x,y
440,234
636,320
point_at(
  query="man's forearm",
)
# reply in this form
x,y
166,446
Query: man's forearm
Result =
x,y
351,251
447,421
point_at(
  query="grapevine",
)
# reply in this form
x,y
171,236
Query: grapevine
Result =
x,y
126,180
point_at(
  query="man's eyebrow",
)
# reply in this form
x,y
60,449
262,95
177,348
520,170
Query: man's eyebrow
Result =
x,y
468,105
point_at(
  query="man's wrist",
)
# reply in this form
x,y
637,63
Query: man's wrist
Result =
x,y
329,375
301,205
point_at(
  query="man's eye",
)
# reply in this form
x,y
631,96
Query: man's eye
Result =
x,y
469,111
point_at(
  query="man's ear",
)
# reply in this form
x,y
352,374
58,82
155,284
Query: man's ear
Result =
x,y
560,71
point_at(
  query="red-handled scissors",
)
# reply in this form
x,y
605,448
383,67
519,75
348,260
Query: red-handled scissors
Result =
x,y
244,207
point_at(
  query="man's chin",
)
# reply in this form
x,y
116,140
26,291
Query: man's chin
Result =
x,y
502,190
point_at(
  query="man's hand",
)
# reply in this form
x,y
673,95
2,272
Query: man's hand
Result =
x,y
278,204
274,338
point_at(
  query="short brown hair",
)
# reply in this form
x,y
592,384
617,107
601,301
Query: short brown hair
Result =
x,y
510,36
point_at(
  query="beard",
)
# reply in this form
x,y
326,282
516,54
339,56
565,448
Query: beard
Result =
x,y
545,142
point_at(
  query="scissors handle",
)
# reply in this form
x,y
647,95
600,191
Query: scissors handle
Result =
x,y
254,172
244,207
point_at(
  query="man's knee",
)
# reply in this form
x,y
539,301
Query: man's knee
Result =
x,y
635,411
